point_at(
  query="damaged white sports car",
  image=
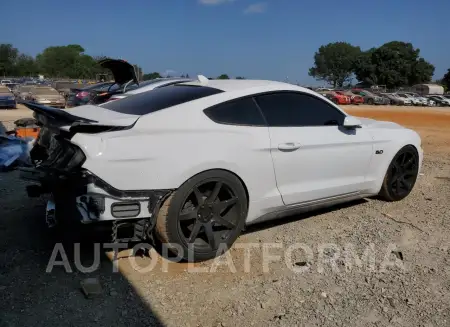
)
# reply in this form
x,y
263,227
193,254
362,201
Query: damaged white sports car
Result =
x,y
192,164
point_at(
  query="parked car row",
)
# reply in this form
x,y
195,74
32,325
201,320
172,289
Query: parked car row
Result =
x,y
363,96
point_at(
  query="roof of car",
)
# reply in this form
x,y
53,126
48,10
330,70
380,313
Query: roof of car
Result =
x,y
229,85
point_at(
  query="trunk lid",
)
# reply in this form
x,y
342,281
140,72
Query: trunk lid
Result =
x,y
122,71
86,119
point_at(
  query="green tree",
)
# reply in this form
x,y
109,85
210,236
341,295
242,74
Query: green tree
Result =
x,y
8,56
67,61
364,70
25,66
393,64
334,63
223,76
446,80
153,75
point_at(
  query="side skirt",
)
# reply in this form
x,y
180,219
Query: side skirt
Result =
x,y
308,206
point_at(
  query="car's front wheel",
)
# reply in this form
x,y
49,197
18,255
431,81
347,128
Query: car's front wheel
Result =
x,y
401,175
204,217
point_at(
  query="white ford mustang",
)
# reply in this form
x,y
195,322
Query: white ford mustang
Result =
x,y
192,164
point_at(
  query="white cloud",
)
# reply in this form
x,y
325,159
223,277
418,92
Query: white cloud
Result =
x,y
256,8
213,2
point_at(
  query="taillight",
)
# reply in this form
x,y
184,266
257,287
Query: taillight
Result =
x,y
82,94
112,99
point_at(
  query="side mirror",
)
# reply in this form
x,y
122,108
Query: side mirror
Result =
x,y
351,122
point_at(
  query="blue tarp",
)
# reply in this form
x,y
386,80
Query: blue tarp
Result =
x,y
14,151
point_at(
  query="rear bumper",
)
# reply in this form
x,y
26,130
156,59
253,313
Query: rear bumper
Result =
x,y
83,196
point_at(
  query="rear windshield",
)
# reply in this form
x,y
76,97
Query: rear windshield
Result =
x,y
147,102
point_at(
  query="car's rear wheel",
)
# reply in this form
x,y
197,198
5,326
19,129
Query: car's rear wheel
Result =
x,y
401,175
370,101
204,217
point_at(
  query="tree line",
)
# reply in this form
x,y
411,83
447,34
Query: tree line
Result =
x,y
393,64
58,61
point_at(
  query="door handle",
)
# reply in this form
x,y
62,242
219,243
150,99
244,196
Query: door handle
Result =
x,y
290,146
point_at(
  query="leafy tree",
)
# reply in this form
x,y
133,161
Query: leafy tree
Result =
x,y
364,70
446,80
153,75
68,61
334,63
25,66
393,64
223,76
8,56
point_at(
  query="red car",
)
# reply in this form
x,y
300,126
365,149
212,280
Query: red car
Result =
x,y
354,98
336,97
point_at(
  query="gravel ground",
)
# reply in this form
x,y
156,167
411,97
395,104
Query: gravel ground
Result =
x,y
408,284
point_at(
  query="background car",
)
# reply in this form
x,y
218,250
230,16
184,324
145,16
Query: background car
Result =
x,y
148,86
354,98
80,96
440,100
369,97
46,95
395,100
22,91
415,101
7,98
63,87
178,163
336,97
386,100
422,100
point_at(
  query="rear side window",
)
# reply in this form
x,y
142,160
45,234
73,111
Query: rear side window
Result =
x,y
289,109
236,112
158,99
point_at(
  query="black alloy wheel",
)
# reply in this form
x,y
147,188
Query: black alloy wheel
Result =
x,y
401,175
204,216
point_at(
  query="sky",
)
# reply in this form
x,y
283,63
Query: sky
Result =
x,y
272,39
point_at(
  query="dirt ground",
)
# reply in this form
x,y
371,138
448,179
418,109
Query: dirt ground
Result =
x,y
407,284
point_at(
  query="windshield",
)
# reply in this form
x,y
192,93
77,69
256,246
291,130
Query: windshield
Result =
x,y
45,91
158,99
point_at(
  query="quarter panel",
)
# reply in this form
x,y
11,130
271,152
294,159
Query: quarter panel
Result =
x,y
167,150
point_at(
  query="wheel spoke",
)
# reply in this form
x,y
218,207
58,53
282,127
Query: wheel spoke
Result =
x,y
403,159
409,163
219,207
194,232
215,192
222,221
397,186
198,196
210,235
191,214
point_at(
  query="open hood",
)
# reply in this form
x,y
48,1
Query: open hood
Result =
x,y
122,71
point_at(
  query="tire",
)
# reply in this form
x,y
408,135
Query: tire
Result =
x,y
404,164
203,199
370,102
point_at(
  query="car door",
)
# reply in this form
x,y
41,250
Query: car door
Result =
x,y
314,156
